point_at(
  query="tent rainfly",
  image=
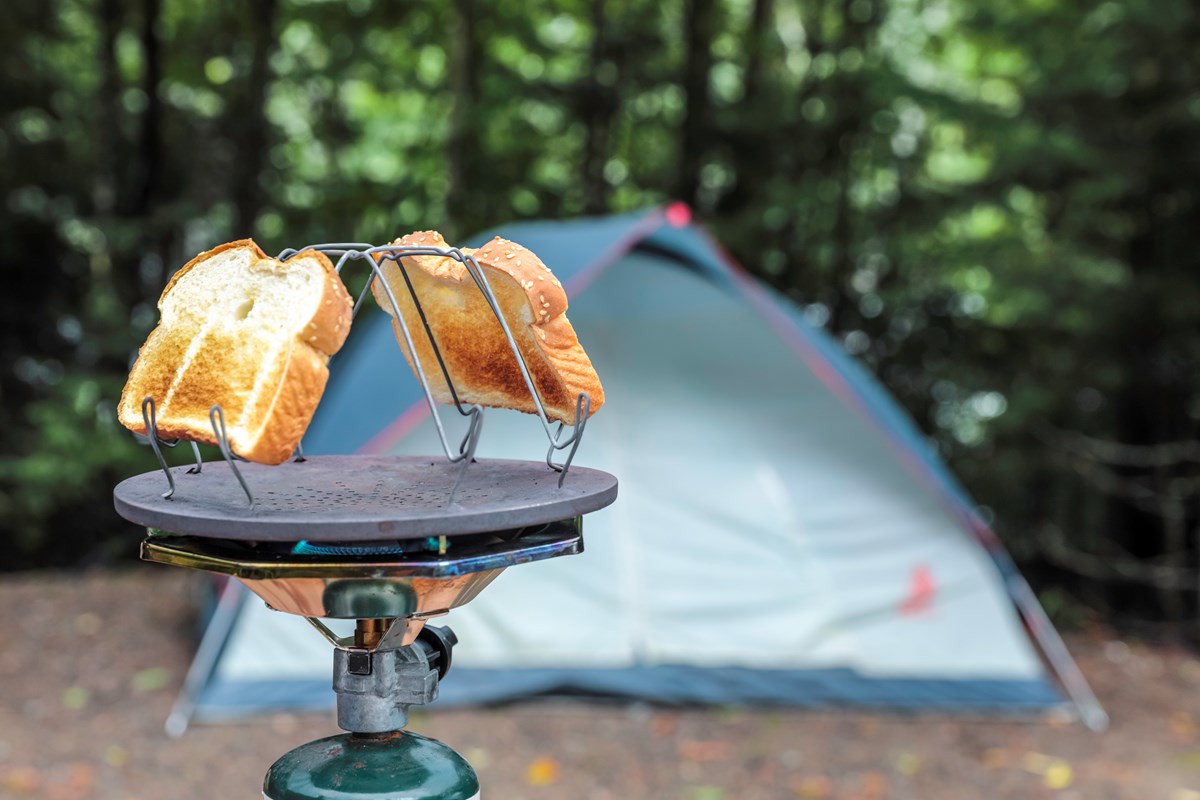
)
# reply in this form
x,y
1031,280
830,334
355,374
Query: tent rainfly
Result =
x,y
784,534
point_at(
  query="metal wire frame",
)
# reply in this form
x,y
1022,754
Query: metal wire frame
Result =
x,y
150,420
216,418
466,449
377,255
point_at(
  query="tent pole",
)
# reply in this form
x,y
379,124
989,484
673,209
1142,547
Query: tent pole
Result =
x,y
216,632
1086,703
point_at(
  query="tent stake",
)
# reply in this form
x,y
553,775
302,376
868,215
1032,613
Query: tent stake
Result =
x,y
211,644
1088,705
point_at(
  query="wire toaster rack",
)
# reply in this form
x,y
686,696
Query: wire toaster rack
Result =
x,y
563,438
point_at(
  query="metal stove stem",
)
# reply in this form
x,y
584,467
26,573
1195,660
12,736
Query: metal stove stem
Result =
x,y
376,686
378,760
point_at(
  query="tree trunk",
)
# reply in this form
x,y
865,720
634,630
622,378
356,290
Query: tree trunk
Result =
x,y
462,146
756,42
105,188
754,148
853,107
248,194
597,114
842,236
697,120
150,145
1147,409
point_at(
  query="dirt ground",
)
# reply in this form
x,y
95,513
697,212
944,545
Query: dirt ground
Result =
x,y
90,664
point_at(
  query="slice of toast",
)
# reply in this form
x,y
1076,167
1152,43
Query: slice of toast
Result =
x,y
250,333
472,343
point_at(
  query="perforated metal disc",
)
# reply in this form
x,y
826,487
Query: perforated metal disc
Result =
x,y
361,498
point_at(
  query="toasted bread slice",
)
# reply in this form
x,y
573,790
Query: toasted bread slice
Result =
x,y
250,333
472,343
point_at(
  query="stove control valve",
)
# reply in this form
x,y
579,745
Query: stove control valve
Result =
x,y
375,687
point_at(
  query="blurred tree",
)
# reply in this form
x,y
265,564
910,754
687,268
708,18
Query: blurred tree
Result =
x,y
992,203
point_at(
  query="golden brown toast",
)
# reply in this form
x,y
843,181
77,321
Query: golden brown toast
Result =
x,y
477,354
250,333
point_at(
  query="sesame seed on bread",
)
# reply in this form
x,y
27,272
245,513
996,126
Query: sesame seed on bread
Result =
x,y
472,343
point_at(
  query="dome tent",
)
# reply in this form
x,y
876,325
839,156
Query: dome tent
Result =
x,y
783,535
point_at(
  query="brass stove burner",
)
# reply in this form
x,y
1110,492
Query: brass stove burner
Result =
x,y
416,585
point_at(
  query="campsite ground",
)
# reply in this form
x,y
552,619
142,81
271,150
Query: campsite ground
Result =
x,y
89,666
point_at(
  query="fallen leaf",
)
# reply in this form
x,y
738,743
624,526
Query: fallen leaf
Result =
x,y
665,724
542,771
81,778
817,787
1059,775
1036,763
150,680
1183,727
730,715
908,764
1190,761
995,758
22,780
75,698
88,623
116,756
875,786
703,752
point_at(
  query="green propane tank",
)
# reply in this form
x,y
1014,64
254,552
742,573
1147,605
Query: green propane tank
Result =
x,y
378,760
391,766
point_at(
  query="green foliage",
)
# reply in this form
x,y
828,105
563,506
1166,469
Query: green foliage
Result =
x,y
992,203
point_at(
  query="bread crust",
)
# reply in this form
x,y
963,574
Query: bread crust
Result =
x,y
477,354
294,377
205,256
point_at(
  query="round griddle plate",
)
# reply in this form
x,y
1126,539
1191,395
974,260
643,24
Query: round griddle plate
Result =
x,y
361,498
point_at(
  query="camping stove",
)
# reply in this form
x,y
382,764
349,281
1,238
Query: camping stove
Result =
x,y
389,542
370,539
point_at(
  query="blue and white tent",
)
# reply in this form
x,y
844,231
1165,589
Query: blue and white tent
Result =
x,y
784,534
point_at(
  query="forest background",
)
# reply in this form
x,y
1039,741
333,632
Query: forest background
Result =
x,y
991,203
